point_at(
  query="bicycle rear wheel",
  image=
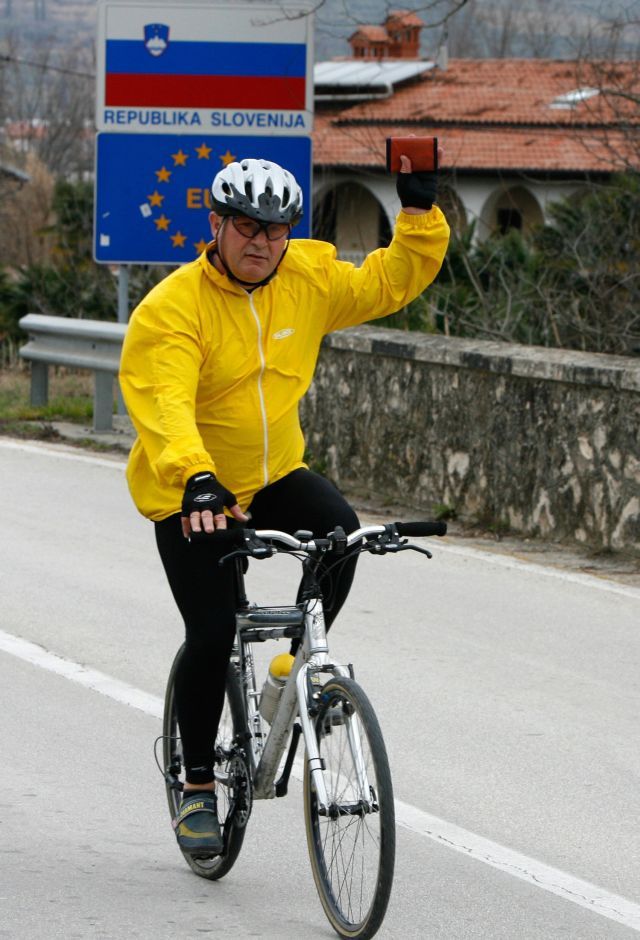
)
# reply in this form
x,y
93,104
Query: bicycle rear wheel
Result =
x,y
352,846
232,723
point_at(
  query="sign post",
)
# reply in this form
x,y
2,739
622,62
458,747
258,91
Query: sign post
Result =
x,y
182,91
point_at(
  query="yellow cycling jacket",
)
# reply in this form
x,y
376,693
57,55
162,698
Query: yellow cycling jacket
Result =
x,y
212,375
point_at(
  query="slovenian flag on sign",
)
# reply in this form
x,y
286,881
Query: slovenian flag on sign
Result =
x,y
157,72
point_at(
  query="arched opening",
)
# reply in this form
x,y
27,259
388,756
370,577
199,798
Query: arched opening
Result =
x,y
351,217
513,208
324,216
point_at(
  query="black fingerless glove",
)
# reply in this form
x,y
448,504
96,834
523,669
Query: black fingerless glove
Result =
x,y
417,190
203,492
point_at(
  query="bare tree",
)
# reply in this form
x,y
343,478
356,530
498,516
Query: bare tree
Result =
x,y
503,29
47,103
608,71
24,217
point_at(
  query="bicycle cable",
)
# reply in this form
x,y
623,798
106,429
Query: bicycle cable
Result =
x,y
332,586
162,737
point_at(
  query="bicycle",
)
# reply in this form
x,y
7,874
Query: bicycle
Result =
x,y
348,794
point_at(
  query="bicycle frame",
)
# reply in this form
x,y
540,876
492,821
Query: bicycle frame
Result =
x,y
312,657
254,623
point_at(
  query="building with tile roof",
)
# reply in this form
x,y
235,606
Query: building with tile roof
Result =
x,y
517,134
398,37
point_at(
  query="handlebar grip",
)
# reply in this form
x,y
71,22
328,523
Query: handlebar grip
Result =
x,y
416,529
222,538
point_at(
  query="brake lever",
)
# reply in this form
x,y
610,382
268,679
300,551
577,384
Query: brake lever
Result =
x,y
237,553
391,548
416,548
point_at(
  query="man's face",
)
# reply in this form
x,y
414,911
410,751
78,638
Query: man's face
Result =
x,y
250,255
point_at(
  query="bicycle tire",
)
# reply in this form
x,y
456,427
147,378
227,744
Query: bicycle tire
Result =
x,y
232,723
351,849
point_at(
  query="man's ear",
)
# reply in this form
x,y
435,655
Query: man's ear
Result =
x,y
215,221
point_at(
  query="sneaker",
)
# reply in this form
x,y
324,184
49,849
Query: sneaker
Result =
x,y
197,827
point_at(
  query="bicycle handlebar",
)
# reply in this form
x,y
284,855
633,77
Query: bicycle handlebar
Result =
x,y
416,529
241,538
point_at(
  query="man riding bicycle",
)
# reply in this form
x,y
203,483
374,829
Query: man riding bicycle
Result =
x,y
215,361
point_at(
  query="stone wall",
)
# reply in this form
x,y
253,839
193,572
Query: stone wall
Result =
x,y
540,441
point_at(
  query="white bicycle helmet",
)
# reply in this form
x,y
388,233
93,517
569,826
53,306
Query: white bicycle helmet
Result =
x,y
259,189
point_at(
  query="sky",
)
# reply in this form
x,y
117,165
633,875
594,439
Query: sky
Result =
x,y
478,29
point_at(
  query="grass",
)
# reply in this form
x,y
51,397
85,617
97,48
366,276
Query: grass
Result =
x,y
70,396
70,399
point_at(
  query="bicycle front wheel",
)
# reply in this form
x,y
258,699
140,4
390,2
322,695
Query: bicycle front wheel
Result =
x,y
231,725
352,842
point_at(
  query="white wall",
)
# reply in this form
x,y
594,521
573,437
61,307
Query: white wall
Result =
x,y
477,194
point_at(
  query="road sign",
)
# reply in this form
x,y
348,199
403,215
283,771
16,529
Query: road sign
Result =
x,y
195,68
152,191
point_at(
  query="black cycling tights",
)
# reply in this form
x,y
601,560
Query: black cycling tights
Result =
x,y
205,595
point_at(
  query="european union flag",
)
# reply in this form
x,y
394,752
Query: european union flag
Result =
x,y
152,191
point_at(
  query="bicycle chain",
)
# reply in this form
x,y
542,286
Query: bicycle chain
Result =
x,y
241,790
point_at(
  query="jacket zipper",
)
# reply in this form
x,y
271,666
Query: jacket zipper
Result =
x,y
263,409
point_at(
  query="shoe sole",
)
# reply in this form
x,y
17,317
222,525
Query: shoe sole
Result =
x,y
203,858
201,851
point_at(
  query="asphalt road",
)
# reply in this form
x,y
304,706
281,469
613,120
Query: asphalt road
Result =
x,y
508,694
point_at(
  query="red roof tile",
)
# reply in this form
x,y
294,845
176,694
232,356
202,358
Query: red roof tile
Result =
x,y
494,115
541,150
371,33
511,91
403,18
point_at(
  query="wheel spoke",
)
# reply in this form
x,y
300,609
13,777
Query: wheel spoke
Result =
x,y
353,864
230,723
346,867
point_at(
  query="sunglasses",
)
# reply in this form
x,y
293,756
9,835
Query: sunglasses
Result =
x,y
249,228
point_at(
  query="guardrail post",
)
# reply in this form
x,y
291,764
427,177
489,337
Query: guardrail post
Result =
x,y
103,401
123,317
76,344
39,383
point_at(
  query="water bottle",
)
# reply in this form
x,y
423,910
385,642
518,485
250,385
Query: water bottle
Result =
x,y
274,684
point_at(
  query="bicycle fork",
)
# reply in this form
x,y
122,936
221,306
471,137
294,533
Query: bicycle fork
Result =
x,y
318,660
311,658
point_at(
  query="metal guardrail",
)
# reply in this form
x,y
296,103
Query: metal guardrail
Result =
x,y
79,344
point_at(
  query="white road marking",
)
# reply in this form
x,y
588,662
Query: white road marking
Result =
x,y
83,675
446,834
563,884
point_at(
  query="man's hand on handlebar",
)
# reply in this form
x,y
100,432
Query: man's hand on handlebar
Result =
x,y
203,505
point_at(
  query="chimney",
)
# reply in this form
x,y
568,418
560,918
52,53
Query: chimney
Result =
x,y
397,38
403,28
442,55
